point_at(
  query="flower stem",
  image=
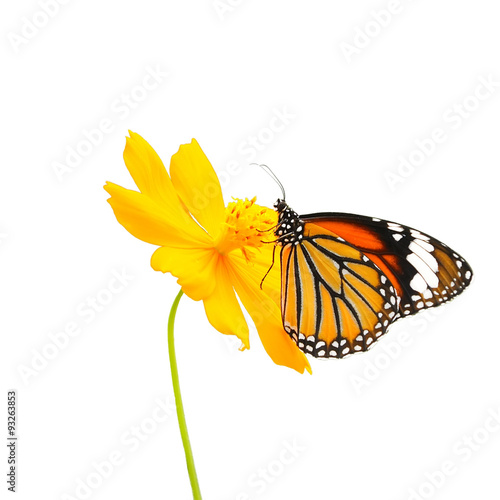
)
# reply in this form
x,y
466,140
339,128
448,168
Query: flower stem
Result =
x,y
178,401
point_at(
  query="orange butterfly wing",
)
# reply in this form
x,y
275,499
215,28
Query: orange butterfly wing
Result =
x,y
335,301
424,271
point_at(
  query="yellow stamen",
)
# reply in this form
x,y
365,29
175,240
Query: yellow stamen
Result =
x,y
247,226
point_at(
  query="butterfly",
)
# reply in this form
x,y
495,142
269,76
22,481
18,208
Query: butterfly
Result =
x,y
346,278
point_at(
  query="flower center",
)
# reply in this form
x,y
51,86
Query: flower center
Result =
x,y
247,226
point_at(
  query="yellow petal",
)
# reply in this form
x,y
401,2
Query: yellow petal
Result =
x,y
258,265
149,173
198,186
195,268
267,318
222,308
150,222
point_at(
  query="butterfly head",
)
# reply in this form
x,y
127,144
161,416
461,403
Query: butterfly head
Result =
x,y
290,226
280,205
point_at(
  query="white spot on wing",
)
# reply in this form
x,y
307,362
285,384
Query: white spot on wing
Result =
x,y
425,245
395,227
427,275
418,283
428,258
419,235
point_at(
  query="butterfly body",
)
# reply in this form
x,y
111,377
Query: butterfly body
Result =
x,y
346,278
290,227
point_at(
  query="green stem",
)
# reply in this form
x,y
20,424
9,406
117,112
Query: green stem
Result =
x,y
178,401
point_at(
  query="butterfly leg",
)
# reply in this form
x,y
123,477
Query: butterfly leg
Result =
x,y
269,270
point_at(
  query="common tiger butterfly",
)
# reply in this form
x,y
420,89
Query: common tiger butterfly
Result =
x,y
346,278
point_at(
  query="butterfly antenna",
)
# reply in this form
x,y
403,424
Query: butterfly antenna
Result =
x,y
273,176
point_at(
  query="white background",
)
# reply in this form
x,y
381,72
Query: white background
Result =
x,y
371,426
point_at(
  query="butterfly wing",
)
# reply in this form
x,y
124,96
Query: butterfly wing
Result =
x,y
335,301
424,271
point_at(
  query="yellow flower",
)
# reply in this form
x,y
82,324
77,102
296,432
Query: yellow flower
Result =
x,y
215,252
